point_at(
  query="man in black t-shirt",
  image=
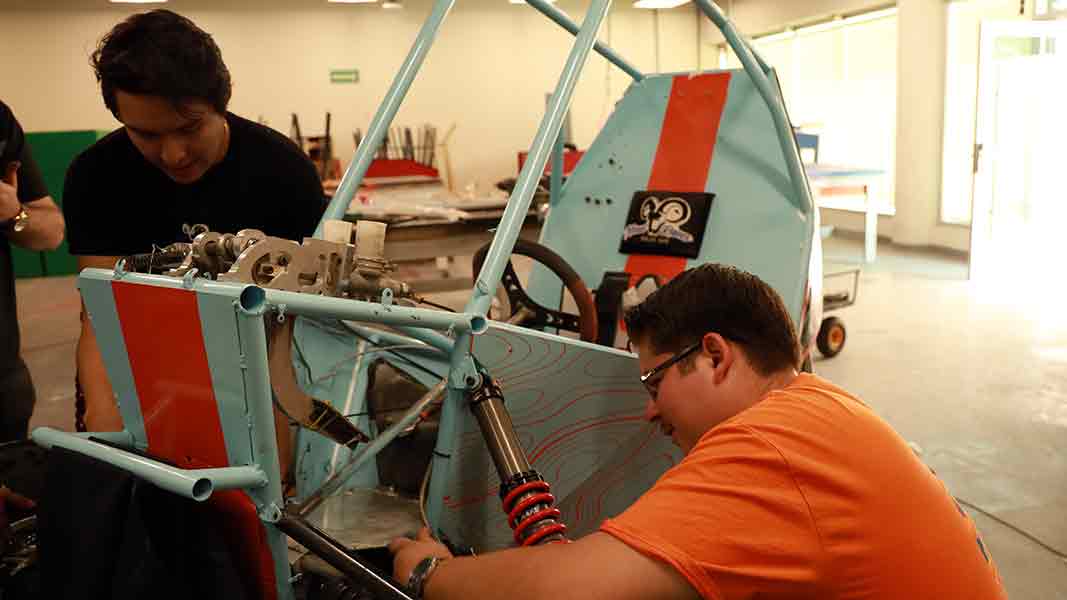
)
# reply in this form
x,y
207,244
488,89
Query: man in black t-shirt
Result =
x,y
28,219
180,160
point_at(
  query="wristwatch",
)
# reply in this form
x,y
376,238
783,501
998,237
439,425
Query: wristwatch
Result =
x,y
20,220
422,571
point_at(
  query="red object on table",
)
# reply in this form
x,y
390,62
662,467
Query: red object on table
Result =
x,y
570,161
396,167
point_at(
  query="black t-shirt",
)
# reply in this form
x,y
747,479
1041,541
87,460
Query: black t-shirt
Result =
x,y
117,203
31,187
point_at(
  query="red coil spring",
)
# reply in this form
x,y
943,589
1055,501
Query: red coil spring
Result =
x,y
533,495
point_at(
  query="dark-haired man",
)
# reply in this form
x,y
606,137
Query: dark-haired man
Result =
x,y
29,219
179,160
790,487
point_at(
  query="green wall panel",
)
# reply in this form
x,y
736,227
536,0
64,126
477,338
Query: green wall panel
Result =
x,y
53,151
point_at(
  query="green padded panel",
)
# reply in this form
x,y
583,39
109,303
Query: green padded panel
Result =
x,y
54,151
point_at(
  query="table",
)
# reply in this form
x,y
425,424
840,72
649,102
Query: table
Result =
x,y
832,185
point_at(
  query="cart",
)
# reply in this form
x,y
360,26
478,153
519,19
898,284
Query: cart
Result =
x,y
832,333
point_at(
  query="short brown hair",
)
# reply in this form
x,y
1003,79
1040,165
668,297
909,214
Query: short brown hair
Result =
x,y
719,298
161,53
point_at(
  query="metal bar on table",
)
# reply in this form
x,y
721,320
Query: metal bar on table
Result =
x,y
386,112
195,484
561,19
519,202
802,195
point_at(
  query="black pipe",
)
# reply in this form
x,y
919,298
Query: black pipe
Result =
x,y
334,553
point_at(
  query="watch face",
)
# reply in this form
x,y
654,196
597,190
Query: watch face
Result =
x,y
21,220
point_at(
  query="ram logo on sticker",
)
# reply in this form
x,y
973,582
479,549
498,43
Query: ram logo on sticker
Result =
x,y
666,223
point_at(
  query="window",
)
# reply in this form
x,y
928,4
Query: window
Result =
x,y
839,79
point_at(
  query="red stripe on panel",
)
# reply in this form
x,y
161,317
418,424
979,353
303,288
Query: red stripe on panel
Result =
x,y
165,345
684,154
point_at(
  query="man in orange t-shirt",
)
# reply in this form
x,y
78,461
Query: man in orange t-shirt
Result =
x,y
790,487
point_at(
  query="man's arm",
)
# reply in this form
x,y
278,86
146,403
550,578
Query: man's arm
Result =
x,y
101,412
596,566
44,229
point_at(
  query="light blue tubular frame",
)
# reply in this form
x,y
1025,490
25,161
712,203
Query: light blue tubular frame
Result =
x,y
757,70
464,375
195,484
251,302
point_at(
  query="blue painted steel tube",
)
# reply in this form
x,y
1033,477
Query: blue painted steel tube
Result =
x,y
773,99
561,19
438,341
386,111
195,484
122,438
312,305
358,310
379,337
447,432
251,306
519,202
556,179
759,57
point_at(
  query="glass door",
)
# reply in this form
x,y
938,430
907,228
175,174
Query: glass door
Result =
x,y
1020,179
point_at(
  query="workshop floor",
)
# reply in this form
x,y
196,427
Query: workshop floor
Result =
x,y
974,376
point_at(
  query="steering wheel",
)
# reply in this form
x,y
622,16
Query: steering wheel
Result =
x,y
527,312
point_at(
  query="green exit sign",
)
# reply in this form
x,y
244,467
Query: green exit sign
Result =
x,y
344,75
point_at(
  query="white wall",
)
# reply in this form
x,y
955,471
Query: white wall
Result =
x,y
757,17
489,71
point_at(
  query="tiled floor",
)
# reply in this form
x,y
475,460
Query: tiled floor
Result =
x,y
974,375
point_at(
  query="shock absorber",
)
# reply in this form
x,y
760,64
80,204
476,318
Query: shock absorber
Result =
x,y
525,494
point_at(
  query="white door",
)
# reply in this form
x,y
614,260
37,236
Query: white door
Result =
x,y
1020,187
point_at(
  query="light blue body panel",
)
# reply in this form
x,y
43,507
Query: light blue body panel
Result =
x,y
753,223
333,365
100,306
578,410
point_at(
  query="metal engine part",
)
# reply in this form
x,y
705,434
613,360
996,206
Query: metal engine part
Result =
x,y
350,262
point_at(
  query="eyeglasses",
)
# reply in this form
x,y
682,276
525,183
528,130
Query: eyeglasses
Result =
x,y
651,378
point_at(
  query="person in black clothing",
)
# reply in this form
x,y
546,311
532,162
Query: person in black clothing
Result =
x,y
31,220
180,160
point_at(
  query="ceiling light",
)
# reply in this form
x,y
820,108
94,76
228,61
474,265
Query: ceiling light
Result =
x,y
392,4
659,3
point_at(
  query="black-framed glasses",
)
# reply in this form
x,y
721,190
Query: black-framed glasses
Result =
x,y
651,378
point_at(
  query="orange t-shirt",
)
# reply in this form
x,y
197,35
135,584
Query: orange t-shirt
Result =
x,y
809,494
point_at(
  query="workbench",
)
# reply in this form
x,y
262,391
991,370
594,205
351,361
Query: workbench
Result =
x,y
840,187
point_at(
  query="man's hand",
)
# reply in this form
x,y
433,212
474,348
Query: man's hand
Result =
x,y
408,552
9,498
9,196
